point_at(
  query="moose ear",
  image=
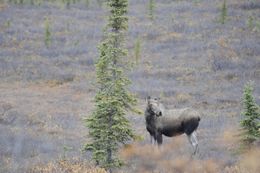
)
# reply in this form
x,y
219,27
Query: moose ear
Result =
x,y
159,114
157,98
148,99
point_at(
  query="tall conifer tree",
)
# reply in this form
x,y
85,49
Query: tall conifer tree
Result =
x,y
251,117
108,126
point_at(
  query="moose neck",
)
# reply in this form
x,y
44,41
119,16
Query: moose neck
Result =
x,y
150,116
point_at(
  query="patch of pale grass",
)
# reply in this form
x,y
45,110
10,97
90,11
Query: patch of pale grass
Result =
x,y
183,97
145,158
3,5
65,166
229,138
228,51
169,36
170,158
54,83
249,163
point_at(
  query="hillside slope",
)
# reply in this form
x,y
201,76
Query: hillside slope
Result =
x,y
188,58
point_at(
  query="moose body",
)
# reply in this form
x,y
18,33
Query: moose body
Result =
x,y
171,122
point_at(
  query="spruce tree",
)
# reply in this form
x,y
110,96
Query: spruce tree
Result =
x,y
47,38
108,126
223,15
151,9
251,116
137,50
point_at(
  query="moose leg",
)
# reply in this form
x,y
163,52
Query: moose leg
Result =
x,y
194,135
154,139
151,139
151,133
193,141
159,138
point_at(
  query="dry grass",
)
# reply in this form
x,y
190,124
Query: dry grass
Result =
x,y
249,163
148,158
230,136
64,166
183,97
171,157
2,6
169,36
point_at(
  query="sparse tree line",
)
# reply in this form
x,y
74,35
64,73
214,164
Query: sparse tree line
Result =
x,y
65,2
252,23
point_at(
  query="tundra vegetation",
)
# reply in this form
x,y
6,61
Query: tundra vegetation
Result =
x,y
188,58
